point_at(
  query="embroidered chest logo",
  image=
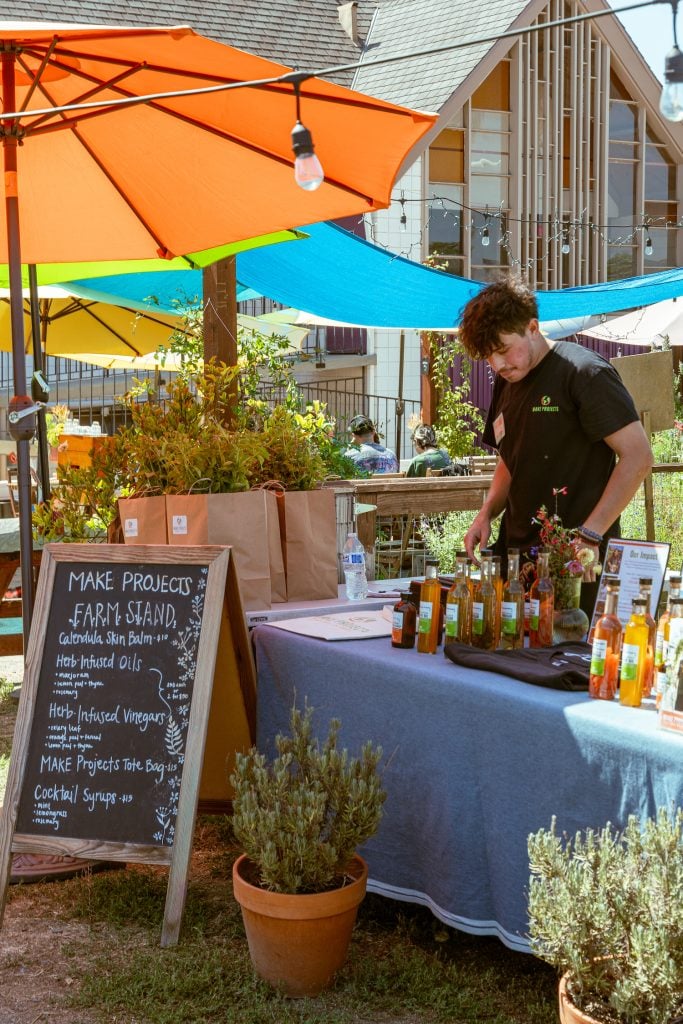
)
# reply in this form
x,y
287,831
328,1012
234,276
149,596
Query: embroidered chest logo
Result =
x,y
545,405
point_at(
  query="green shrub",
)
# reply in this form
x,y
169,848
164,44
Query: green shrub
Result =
x,y
301,818
607,907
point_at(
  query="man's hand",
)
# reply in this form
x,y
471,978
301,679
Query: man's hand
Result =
x,y
477,536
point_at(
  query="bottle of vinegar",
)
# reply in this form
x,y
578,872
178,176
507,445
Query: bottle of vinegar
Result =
x,y
430,609
541,604
673,633
607,635
459,605
645,584
512,606
484,609
660,653
634,655
403,622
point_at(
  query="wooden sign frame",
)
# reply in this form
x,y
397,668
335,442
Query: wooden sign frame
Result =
x,y
221,590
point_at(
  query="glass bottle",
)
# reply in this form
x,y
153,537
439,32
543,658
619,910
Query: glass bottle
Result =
x,y
430,608
462,558
634,655
660,653
541,604
512,606
459,605
606,649
484,609
673,632
645,584
403,622
498,584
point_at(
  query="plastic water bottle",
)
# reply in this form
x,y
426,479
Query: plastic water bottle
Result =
x,y
354,569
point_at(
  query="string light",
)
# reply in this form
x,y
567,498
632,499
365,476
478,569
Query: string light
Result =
x,y
671,102
648,246
308,172
404,220
566,247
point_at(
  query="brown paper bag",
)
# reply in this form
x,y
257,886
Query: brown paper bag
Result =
x,y
308,530
143,520
247,521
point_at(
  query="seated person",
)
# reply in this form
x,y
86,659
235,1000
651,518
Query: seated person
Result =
x,y
365,449
429,455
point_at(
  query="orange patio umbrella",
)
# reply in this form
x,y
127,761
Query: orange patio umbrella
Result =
x,y
108,156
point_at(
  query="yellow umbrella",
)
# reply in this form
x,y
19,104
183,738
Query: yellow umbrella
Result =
x,y
97,332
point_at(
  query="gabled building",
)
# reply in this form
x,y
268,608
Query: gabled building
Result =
x,y
549,155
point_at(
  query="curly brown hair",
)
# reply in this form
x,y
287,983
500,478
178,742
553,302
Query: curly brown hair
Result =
x,y
504,307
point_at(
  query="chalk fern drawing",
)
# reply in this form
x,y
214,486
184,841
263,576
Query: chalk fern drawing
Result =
x,y
174,738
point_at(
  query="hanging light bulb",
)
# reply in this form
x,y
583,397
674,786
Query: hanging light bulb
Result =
x,y
308,172
648,246
566,247
485,239
403,220
671,102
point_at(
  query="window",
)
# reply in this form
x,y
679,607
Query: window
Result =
x,y
446,243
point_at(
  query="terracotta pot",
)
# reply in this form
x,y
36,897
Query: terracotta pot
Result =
x,y
569,1014
298,941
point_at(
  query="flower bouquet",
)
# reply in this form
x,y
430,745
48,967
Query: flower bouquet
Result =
x,y
566,566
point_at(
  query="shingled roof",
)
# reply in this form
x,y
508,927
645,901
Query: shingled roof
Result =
x,y
425,83
305,35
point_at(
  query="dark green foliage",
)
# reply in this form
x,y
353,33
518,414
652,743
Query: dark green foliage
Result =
x,y
301,818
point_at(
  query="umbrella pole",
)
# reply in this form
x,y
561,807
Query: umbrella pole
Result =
x,y
38,364
23,429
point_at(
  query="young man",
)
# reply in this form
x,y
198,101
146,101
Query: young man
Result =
x,y
561,420
365,449
429,455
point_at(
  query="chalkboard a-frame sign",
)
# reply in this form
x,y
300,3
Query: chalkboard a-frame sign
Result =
x,y
112,719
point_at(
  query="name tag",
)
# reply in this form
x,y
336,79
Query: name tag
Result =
x,y
499,428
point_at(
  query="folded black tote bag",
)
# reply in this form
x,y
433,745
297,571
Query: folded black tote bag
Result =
x,y
563,667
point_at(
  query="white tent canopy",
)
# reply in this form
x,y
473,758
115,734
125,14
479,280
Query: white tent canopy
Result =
x,y
649,325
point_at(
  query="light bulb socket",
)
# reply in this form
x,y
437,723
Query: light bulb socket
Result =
x,y
673,67
302,141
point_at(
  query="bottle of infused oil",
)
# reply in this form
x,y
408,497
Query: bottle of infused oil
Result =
x,y
459,605
498,584
403,622
606,649
634,655
541,604
484,609
512,606
645,584
430,609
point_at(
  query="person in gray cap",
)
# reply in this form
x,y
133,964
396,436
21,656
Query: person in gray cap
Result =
x,y
365,449
429,455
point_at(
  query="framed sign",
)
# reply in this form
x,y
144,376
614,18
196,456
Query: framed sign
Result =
x,y
114,708
629,561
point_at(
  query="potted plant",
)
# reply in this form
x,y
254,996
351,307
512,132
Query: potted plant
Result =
x,y
606,909
300,882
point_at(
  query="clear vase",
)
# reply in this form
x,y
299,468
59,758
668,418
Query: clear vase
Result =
x,y
570,622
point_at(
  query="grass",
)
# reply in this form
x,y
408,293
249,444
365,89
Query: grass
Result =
x,y
403,967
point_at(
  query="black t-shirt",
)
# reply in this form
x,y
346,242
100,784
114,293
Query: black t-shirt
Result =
x,y
548,428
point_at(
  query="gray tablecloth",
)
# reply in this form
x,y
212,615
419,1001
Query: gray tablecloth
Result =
x,y
474,763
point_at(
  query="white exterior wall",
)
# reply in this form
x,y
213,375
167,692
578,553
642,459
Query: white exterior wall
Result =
x,y
383,228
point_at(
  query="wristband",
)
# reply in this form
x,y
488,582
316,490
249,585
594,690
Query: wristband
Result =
x,y
589,535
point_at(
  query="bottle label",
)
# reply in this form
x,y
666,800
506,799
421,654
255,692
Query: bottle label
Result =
x,y
353,559
675,632
397,621
508,617
629,662
598,656
534,612
659,648
425,616
451,624
478,618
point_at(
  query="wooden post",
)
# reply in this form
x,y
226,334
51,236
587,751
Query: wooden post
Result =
x,y
428,398
220,314
647,485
